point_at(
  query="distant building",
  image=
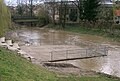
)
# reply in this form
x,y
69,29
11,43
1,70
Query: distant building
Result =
x,y
117,16
116,11
54,8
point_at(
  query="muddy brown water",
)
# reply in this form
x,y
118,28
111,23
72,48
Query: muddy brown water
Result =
x,y
40,36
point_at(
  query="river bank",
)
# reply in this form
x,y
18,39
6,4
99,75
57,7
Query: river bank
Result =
x,y
43,38
13,67
89,31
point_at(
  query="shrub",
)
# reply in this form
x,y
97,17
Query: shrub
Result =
x,y
4,18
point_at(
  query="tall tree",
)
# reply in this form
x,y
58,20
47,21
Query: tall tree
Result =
x,y
73,15
81,9
31,7
79,5
53,11
51,6
87,9
90,9
19,10
63,13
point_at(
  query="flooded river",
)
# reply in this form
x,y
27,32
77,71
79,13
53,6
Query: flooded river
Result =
x,y
39,36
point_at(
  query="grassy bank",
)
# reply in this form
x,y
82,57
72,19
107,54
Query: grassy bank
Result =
x,y
76,28
86,30
4,18
16,68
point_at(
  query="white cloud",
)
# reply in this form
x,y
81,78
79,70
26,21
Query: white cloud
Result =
x,y
11,2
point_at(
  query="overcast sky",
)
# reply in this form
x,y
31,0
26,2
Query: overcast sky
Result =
x,y
13,2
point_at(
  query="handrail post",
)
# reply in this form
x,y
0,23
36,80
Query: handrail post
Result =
x,y
66,54
40,42
86,52
106,50
51,55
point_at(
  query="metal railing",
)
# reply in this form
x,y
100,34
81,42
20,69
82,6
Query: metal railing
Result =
x,y
78,54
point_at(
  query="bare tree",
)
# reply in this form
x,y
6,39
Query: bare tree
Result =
x,y
62,12
79,5
51,6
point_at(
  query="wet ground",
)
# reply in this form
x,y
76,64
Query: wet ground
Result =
x,y
40,41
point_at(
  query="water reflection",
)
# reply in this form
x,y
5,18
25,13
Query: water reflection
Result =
x,y
37,36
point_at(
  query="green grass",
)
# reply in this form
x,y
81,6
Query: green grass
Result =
x,y
16,68
92,31
76,28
